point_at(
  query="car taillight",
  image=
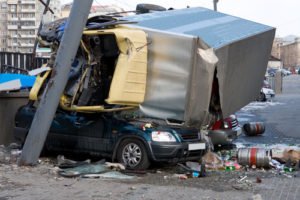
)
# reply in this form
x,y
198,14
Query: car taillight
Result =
x,y
227,123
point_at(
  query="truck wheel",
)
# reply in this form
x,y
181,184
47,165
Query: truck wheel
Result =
x,y
132,153
146,8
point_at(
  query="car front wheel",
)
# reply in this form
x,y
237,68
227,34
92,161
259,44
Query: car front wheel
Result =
x,y
133,154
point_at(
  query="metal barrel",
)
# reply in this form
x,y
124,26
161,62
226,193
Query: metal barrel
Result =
x,y
259,157
254,128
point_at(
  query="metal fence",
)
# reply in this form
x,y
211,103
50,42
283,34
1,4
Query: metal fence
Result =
x,y
19,62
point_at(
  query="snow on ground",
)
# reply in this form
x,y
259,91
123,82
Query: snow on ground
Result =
x,y
260,105
267,146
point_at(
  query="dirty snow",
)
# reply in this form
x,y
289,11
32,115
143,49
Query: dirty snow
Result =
x,y
260,105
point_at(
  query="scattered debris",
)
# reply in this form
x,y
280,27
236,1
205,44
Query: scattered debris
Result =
x,y
86,169
83,169
242,186
257,197
115,166
258,180
67,163
110,175
132,188
10,154
181,176
212,161
285,155
242,179
195,166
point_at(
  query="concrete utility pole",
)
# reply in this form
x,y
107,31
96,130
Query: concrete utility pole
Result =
x,y
50,99
215,5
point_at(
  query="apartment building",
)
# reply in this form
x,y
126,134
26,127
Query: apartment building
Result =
x,y
290,54
20,20
3,22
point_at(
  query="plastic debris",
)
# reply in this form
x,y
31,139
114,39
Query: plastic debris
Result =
x,y
288,169
229,166
277,165
181,176
285,154
212,161
291,155
194,169
84,169
194,166
67,163
114,166
109,175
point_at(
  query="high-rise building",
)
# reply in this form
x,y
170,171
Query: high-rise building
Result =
x,y
3,22
19,23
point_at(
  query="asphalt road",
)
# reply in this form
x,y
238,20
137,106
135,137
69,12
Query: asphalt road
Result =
x,y
281,116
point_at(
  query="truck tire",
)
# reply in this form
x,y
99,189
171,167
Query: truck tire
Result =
x,y
133,154
146,8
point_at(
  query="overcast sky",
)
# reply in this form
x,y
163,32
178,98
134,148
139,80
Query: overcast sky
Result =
x,y
282,14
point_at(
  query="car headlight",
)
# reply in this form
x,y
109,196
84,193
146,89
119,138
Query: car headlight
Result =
x,y
161,136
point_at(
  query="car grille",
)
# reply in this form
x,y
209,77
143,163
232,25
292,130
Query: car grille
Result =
x,y
190,136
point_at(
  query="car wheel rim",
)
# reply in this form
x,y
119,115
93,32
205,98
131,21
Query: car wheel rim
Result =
x,y
132,155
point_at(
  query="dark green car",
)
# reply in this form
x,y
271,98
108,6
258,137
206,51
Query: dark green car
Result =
x,y
134,142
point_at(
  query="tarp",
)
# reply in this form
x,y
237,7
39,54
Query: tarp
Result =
x,y
186,46
10,82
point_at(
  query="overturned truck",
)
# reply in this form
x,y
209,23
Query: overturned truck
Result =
x,y
154,80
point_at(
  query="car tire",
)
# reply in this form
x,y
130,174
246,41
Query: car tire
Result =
x,y
146,8
133,154
262,97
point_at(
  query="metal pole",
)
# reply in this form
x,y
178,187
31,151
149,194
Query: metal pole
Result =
x,y
50,99
47,6
33,64
215,5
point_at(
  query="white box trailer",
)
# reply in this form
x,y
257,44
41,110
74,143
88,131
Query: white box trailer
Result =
x,y
187,47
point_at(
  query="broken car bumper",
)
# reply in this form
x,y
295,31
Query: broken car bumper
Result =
x,y
224,136
176,152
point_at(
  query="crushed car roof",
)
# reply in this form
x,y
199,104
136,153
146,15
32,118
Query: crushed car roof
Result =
x,y
215,28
